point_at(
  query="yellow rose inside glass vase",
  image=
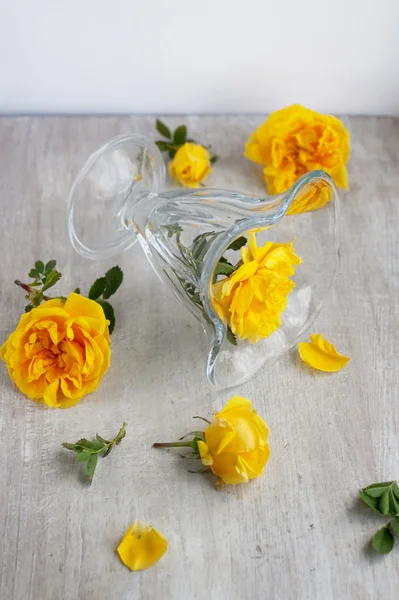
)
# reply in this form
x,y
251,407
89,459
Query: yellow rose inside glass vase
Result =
x,y
253,270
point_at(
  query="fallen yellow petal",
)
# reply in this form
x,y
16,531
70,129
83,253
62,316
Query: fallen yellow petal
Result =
x,y
321,354
141,547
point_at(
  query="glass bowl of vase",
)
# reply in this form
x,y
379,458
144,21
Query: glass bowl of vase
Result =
x,y
254,271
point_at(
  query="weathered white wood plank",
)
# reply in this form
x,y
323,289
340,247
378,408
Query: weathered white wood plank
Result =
x,y
297,533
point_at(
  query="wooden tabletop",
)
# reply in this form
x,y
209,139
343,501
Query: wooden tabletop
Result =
x,y
298,532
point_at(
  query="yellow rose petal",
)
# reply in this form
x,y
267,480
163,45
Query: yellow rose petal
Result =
x,y
206,456
141,547
321,354
236,402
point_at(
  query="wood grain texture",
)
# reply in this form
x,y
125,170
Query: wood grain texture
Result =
x,y
297,533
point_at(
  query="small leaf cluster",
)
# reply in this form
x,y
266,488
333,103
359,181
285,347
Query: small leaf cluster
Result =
x,y
44,276
175,140
88,451
194,256
105,287
224,267
384,499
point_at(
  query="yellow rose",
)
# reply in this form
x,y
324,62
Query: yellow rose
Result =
x,y
190,165
235,446
295,140
59,351
253,298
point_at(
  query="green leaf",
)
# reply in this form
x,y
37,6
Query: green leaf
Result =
x,y
33,274
68,446
50,265
77,290
97,288
395,489
173,229
214,158
376,490
172,153
121,434
88,444
102,440
383,505
393,503
39,266
194,443
196,298
37,299
179,136
238,243
28,308
109,313
201,244
224,268
369,500
51,279
163,129
394,526
231,337
383,541
84,455
114,278
91,467
163,146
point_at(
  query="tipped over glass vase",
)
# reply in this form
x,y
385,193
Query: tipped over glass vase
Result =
x,y
253,270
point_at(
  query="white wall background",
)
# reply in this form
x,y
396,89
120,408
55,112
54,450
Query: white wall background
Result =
x,y
205,56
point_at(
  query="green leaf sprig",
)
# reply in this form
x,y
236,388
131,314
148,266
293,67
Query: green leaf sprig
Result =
x,y
46,276
88,451
105,287
194,256
175,140
384,499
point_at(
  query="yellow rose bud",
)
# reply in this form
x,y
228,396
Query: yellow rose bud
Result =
x,y
190,165
235,445
295,140
59,351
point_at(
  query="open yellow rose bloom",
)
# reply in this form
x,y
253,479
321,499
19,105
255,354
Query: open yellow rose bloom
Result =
x,y
253,298
141,547
296,140
190,165
59,351
235,446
